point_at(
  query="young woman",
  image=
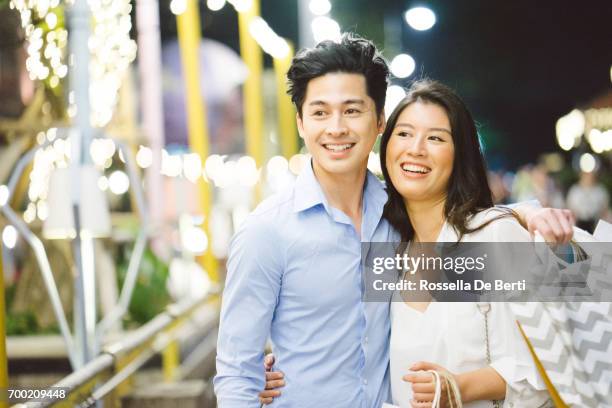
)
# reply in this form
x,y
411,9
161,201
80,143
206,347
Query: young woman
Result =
x,y
436,197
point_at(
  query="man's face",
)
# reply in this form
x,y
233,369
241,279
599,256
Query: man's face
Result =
x,y
339,124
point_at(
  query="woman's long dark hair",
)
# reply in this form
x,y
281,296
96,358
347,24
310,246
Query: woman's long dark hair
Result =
x,y
468,188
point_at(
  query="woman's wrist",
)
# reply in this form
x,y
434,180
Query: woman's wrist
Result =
x,y
463,385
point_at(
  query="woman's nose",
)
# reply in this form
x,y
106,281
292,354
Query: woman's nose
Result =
x,y
416,146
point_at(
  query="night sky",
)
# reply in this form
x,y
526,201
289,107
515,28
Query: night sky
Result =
x,y
519,65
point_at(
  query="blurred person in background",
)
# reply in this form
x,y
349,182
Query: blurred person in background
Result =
x,y
589,201
534,183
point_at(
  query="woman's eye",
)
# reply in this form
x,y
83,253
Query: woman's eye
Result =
x,y
436,138
318,113
403,134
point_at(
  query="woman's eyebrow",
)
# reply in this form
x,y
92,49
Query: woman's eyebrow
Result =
x,y
408,125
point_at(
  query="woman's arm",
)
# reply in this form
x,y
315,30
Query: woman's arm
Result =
x,y
482,384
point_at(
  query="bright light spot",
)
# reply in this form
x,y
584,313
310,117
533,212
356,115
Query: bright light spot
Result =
x,y
9,236
101,151
215,5
325,28
192,167
596,141
247,171
297,163
51,20
395,94
228,176
178,7
278,173
267,39
587,163
242,5
103,183
118,182
319,7
194,239
171,165
277,165
144,157
213,166
42,210
420,18
402,66
29,215
569,129
4,195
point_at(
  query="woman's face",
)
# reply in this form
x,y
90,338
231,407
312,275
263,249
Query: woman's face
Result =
x,y
421,152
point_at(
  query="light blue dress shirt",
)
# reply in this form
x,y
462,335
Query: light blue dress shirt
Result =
x,y
294,274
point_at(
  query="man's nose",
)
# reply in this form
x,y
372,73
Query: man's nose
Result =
x,y
336,126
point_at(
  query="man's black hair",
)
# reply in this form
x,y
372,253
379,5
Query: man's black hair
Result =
x,y
353,55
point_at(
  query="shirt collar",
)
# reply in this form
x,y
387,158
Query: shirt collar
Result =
x,y
308,192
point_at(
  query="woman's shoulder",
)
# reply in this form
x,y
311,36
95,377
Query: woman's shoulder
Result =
x,y
499,225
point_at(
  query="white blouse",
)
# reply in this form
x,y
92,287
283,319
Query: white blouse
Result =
x,y
453,334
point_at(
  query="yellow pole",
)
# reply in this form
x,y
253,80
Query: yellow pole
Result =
x,y
170,361
3,359
285,110
189,40
253,99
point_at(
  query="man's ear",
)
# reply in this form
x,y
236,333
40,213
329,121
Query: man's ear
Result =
x,y
382,122
300,124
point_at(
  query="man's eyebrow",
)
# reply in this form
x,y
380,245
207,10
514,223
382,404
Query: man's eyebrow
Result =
x,y
317,102
408,125
354,101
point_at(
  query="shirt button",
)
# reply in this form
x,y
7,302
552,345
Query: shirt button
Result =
x,y
365,382
365,340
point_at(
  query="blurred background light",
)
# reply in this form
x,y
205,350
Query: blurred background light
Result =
x,y
420,18
402,66
9,236
118,182
4,194
587,162
395,94
144,157
215,5
319,7
178,7
325,28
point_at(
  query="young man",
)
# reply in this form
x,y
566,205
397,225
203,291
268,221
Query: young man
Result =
x,y
294,269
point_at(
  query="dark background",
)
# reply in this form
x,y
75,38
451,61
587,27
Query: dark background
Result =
x,y
519,65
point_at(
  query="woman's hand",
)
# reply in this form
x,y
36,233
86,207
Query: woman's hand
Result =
x,y
423,385
274,379
555,225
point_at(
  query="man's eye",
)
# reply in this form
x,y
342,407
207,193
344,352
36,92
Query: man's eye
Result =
x,y
352,111
318,113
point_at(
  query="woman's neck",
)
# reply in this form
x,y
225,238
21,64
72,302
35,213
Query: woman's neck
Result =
x,y
427,218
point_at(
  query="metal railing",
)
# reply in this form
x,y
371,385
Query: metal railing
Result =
x,y
104,378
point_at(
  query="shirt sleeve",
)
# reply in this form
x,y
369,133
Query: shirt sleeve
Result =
x,y
512,360
254,270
